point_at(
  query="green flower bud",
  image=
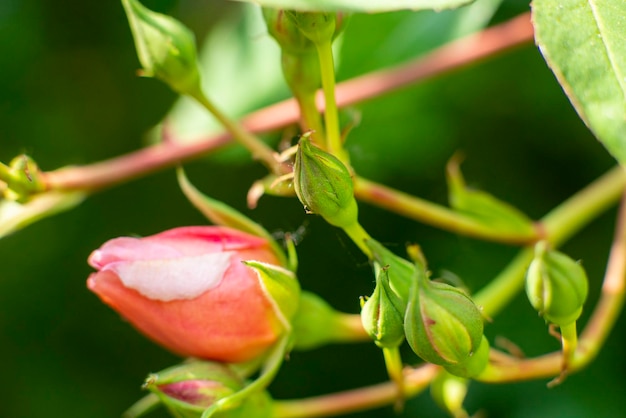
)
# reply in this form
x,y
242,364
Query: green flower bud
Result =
x,y
556,286
324,186
475,364
24,179
442,324
319,27
282,26
165,47
188,389
381,319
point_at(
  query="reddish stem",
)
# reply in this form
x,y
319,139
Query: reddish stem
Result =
x,y
457,54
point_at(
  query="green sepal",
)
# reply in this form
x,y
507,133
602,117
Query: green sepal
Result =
x,y
475,364
442,324
556,285
281,288
192,388
317,323
319,27
324,186
283,27
483,207
383,322
256,405
399,274
236,403
220,213
188,389
165,47
22,179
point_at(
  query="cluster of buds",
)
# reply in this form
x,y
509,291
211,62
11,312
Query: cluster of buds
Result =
x,y
556,286
440,322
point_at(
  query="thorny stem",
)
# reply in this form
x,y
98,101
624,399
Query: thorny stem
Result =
x,y
453,55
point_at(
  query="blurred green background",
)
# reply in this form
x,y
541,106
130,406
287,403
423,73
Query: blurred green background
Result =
x,y
69,95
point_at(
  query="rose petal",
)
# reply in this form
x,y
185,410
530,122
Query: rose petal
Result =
x,y
173,279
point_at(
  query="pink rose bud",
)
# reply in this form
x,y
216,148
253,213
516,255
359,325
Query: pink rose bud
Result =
x,y
188,290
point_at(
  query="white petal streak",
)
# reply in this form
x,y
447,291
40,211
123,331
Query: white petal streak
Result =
x,y
174,278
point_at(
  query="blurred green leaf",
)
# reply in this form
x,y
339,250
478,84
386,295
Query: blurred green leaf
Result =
x,y
14,215
584,43
360,5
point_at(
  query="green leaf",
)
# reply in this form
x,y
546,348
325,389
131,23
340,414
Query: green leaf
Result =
x,y
15,216
368,6
584,43
484,207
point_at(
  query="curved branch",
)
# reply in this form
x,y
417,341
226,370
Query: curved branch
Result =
x,y
454,55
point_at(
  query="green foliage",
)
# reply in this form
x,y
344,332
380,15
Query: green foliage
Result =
x,y
65,80
583,43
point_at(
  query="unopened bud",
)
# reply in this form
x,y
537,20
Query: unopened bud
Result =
x,y
556,286
25,179
192,387
166,48
187,390
442,324
399,274
319,27
282,26
474,364
382,321
324,185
